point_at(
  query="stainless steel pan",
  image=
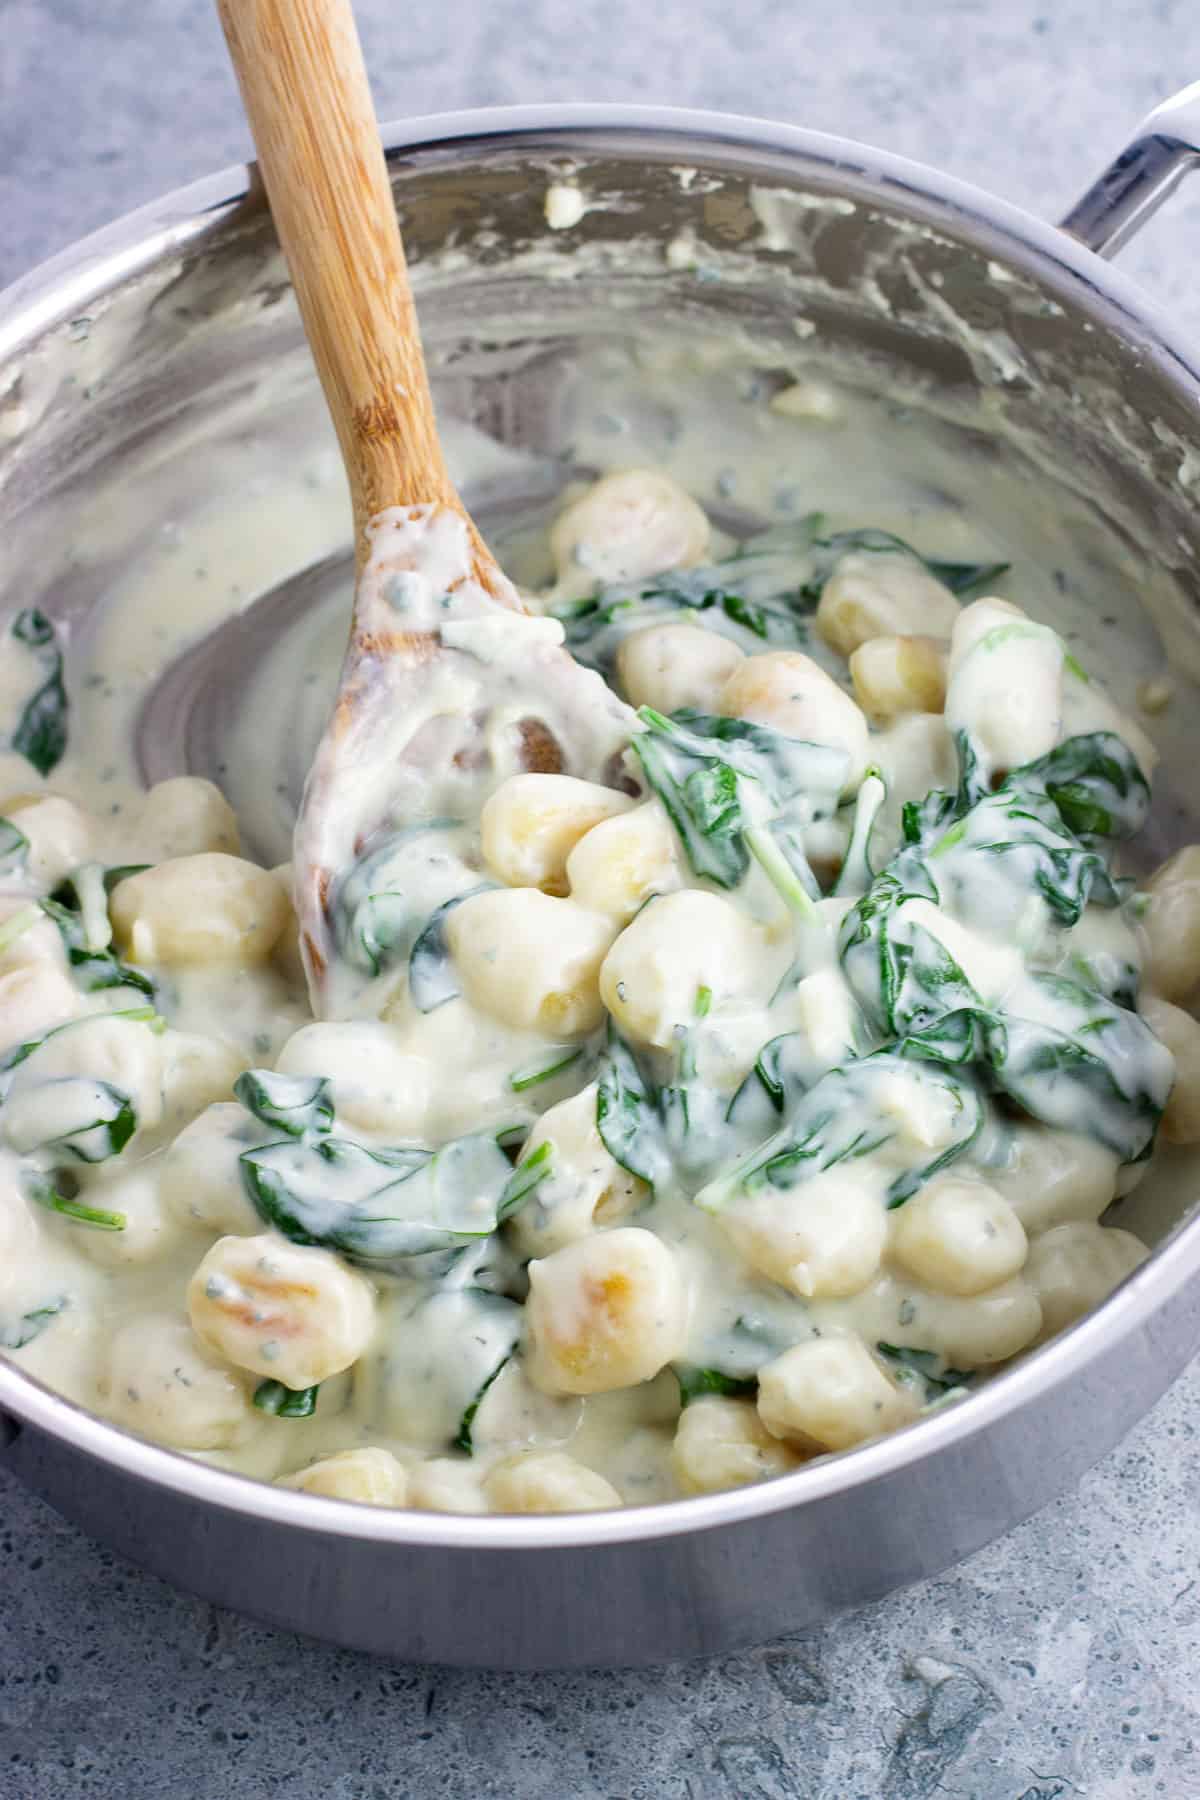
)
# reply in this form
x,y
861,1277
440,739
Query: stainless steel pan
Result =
x,y
122,361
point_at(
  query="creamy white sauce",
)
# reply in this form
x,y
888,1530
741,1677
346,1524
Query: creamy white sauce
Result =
x,y
412,1345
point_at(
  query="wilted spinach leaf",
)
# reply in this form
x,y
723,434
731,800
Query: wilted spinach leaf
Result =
x,y
432,977
94,970
14,848
375,912
464,1439
41,731
378,1206
695,1384
30,1325
696,763
923,1368
755,597
295,1104
285,1402
627,1114
849,1113
1096,783
962,578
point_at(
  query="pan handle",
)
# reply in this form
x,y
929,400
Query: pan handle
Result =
x,y
1133,187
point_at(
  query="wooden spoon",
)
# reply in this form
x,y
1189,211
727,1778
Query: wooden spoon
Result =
x,y
300,68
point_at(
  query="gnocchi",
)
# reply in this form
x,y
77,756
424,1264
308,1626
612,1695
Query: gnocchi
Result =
x,y
1005,683
830,1245
897,675
200,1174
370,1476
159,1380
604,1313
530,825
199,909
57,834
186,816
1051,1176
198,1071
531,961
283,1311
34,991
974,1331
650,978
723,1443
1171,923
442,1484
959,1237
630,524
879,594
616,867
547,1481
376,1086
672,666
1180,1032
149,1229
828,1394
791,692
1074,1266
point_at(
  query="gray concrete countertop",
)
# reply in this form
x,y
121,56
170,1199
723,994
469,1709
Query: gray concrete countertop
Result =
x,y
1058,1663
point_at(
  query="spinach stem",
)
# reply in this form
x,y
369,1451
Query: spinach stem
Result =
x,y
75,1209
855,875
779,872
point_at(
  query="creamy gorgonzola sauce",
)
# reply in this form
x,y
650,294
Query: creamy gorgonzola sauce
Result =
x,y
724,1055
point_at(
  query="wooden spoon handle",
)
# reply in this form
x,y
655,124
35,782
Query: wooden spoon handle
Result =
x,y
300,68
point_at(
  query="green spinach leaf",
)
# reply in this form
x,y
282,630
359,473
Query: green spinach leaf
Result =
x,y
696,763
432,977
14,850
627,1113
962,578
553,1063
755,597
1096,783
295,1104
923,1369
285,1402
666,1133
464,1437
849,1113
382,1207
899,974
375,910
695,1384
41,731
30,1325
94,970
774,1086
93,1120
1084,1064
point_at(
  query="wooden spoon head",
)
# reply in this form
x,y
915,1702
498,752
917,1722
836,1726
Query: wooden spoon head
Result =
x,y
448,686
